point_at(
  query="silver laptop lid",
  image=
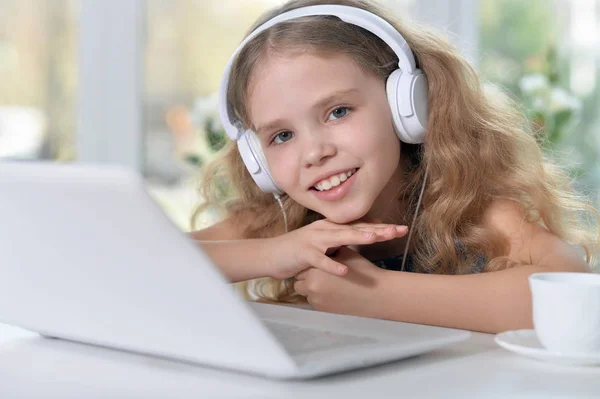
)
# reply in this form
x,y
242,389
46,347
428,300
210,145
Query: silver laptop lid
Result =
x,y
87,255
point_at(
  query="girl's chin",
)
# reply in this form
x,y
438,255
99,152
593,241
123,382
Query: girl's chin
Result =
x,y
340,215
343,217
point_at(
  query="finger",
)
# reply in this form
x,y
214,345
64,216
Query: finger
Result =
x,y
345,253
363,223
376,225
303,274
360,266
351,258
330,241
325,263
301,287
354,237
386,233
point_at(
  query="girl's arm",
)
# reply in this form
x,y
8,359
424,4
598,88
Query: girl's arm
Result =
x,y
285,256
238,259
489,302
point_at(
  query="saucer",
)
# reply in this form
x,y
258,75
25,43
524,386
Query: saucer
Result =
x,y
526,343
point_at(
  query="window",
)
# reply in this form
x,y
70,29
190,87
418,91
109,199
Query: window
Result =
x,y
38,67
546,54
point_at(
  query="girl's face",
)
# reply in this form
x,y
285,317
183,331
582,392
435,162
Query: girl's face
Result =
x,y
326,130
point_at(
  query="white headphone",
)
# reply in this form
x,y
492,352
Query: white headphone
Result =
x,y
406,88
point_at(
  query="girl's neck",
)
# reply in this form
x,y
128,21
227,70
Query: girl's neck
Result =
x,y
389,208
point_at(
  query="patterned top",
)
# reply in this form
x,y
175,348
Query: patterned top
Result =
x,y
394,263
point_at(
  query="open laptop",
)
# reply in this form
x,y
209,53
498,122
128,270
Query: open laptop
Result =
x,y
86,255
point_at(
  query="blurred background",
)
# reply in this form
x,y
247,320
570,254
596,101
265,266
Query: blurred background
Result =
x,y
133,82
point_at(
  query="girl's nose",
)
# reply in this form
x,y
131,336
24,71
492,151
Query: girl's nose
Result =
x,y
318,151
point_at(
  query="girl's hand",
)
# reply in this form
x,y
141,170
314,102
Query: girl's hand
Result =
x,y
356,293
309,246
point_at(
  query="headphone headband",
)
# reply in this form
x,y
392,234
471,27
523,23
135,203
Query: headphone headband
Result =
x,y
352,15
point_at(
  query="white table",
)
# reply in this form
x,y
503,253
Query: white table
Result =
x,y
35,367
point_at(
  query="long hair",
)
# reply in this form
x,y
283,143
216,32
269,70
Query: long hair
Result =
x,y
478,146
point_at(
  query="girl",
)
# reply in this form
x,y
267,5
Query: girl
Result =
x,y
359,135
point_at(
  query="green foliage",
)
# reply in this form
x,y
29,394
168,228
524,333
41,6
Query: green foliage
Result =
x,y
519,42
194,160
214,135
553,110
514,35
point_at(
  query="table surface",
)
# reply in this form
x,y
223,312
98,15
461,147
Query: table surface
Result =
x,y
32,367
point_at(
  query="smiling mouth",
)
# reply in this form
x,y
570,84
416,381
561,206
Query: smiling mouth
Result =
x,y
333,181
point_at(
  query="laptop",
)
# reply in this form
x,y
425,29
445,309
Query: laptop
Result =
x,y
87,255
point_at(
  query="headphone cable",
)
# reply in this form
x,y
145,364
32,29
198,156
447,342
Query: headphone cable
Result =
x,y
285,221
410,230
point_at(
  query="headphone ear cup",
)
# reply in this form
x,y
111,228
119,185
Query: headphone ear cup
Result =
x,y
256,163
392,96
407,97
419,94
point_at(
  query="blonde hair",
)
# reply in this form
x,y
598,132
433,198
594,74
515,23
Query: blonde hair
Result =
x,y
478,147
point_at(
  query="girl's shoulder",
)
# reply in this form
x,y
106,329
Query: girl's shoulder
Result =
x,y
529,242
503,215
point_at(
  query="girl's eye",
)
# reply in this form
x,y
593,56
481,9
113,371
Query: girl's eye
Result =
x,y
338,113
282,137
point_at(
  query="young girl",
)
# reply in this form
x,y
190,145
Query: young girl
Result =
x,y
407,192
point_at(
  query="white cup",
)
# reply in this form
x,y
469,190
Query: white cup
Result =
x,y
566,311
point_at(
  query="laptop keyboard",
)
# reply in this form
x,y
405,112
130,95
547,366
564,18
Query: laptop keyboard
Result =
x,y
302,340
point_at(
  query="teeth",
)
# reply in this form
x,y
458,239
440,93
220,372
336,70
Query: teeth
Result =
x,y
334,181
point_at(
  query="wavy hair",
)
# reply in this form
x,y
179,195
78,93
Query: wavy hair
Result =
x,y
478,146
